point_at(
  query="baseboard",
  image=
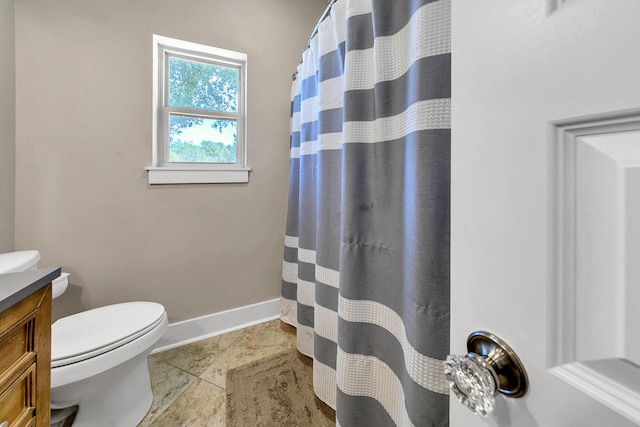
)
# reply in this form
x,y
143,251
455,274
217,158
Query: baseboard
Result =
x,y
211,325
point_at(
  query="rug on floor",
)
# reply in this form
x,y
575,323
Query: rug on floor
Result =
x,y
275,391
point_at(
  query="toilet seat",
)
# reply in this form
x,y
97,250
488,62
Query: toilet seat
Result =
x,y
93,367
94,332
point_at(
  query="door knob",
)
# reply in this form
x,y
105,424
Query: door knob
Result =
x,y
489,367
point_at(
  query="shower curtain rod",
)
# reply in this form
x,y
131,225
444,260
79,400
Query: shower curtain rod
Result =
x,y
315,29
324,15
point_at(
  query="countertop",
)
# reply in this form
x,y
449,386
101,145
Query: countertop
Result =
x,y
16,286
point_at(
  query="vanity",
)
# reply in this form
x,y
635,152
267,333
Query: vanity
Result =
x,y
25,347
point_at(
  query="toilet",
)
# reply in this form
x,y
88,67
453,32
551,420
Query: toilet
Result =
x,y
99,356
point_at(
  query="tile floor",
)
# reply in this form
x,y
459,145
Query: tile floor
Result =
x,y
189,382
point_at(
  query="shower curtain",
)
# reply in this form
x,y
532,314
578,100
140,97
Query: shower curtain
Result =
x,y
366,262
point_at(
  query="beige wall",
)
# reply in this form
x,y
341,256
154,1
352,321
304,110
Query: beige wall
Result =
x,y
83,139
7,125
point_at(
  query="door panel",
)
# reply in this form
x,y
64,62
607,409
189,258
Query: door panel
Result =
x,y
518,73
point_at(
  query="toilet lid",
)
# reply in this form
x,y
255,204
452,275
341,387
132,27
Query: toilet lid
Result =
x,y
93,332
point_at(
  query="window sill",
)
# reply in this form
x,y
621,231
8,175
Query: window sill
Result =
x,y
176,175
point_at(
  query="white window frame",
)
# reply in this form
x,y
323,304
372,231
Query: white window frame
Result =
x,y
164,172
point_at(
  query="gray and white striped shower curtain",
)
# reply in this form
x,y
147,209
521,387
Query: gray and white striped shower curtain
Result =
x,y
366,263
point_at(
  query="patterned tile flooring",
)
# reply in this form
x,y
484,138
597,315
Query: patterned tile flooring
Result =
x,y
189,382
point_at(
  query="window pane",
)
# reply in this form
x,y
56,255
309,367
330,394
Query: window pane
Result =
x,y
201,140
195,84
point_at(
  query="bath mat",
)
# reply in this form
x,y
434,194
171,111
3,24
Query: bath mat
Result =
x,y
275,391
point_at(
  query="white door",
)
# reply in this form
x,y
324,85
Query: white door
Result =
x,y
544,152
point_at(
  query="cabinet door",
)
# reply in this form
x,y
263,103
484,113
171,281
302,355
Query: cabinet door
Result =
x,y
25,361
17,403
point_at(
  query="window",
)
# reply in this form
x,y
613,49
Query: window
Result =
x,y
199,120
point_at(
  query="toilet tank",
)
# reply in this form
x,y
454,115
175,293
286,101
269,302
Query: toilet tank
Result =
x,y
15,262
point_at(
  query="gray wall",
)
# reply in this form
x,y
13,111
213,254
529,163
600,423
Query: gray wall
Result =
x,y
7,125
83,139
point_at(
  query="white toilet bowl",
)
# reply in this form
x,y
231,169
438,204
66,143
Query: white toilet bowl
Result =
x,y
99,362
99,356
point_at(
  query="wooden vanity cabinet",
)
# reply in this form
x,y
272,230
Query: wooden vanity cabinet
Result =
x,y
25,361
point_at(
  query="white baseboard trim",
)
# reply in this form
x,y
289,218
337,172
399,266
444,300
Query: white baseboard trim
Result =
x,y
211,325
